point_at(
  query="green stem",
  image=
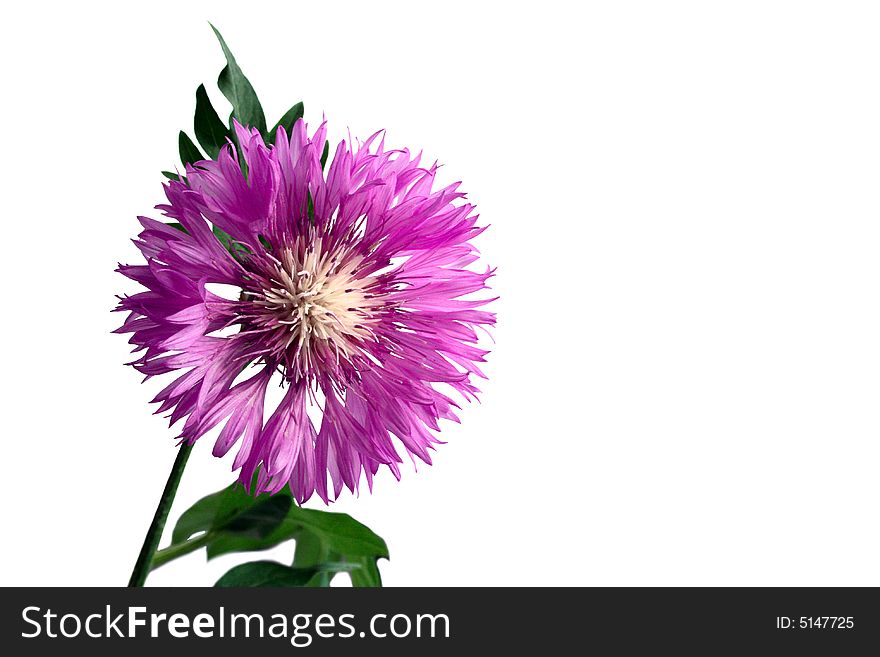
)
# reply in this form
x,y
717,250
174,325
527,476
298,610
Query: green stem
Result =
x,y
154,534
170,553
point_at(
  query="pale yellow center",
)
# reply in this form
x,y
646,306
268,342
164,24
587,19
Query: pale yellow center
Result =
x,y
319,299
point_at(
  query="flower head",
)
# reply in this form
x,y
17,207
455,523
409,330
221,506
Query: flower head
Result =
x,y
352,291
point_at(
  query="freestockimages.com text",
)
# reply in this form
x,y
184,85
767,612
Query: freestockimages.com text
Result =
x,y
299,629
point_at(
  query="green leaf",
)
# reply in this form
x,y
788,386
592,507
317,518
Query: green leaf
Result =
x,y
272,573
310,550
224,238
325,153
232,506
261,519
320,581
232,520
171,176
198,518
210,129
290,117
189,152
368,573
339,532
233,247
178,226
238,90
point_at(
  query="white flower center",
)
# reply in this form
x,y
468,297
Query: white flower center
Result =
x,y
319,299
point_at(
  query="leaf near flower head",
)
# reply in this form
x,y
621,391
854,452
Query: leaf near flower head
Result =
x,y
237,88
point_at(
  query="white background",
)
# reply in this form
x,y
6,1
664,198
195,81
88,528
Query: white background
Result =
x,y
684,208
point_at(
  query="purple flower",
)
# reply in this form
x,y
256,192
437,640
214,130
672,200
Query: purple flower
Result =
x,y
352,290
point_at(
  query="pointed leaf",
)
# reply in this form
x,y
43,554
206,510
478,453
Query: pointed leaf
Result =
x,y
292,115
342,533
228,243
325,153
238,90
189,152
210,129
224,237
